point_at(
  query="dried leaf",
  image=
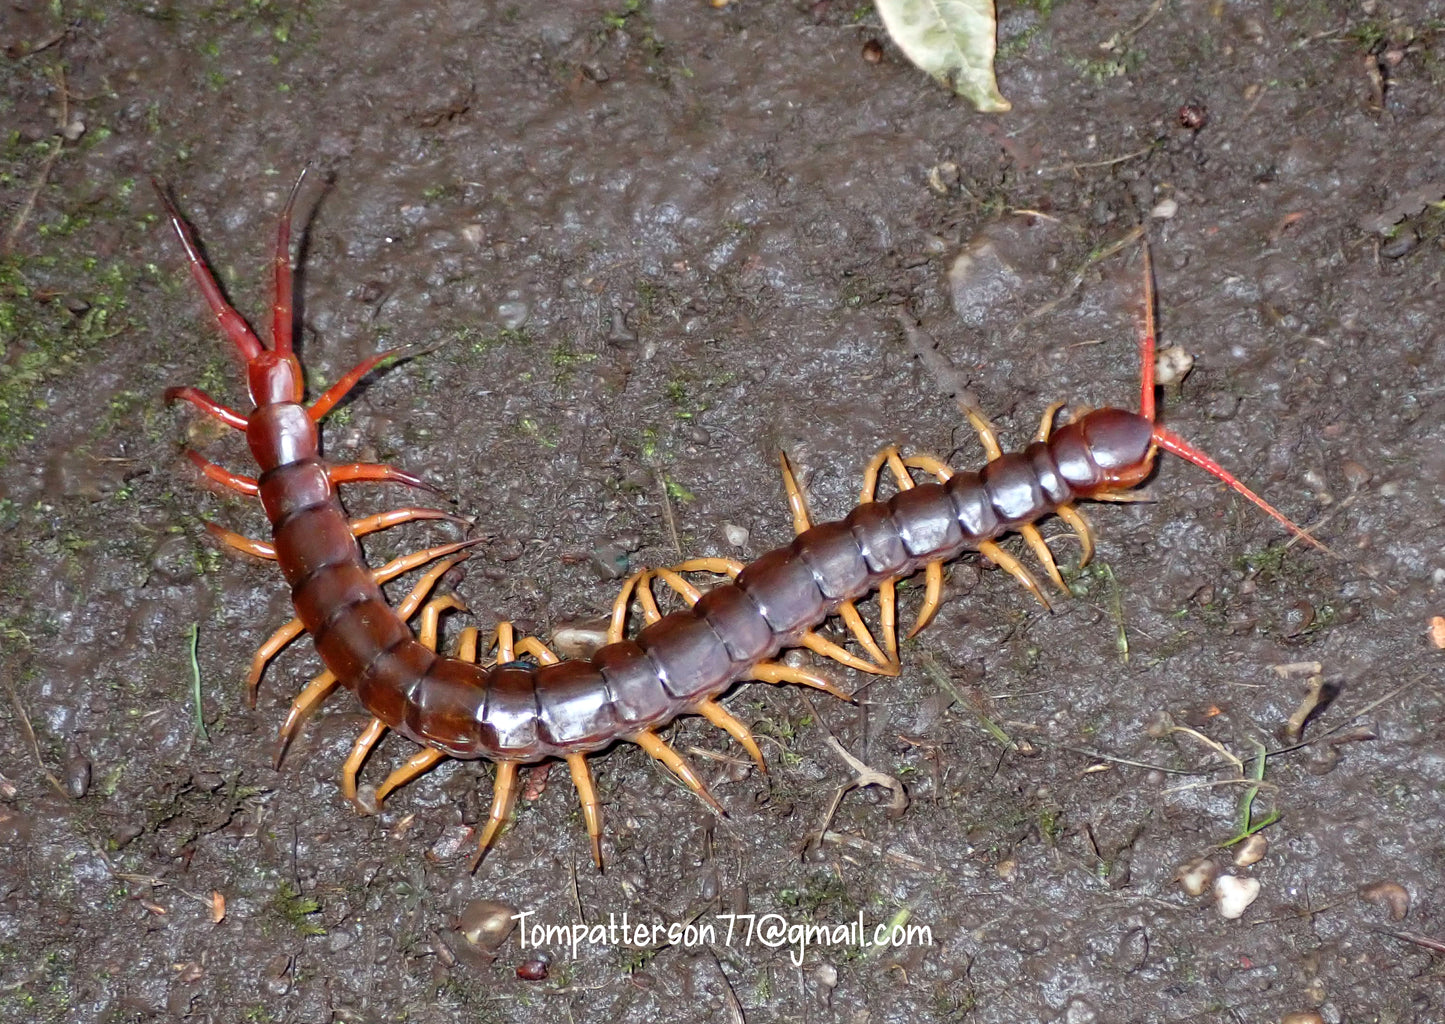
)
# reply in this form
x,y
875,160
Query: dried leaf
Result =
x,y
953,40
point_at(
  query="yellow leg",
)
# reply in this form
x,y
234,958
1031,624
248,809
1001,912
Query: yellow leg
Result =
x,y
1046,425
932,597
722,566
797,504
684,589
249,545
720,717
617,625
419,591
504,642
591,809
987,436
776,672
937,468
888,616
1011,565
368,738
291,630
306,702
467,644
504,795
1035,540
265,653
933,571
1081,529
882,664
658,748
530,645
426,758
423,761
431,619
827,649
406,563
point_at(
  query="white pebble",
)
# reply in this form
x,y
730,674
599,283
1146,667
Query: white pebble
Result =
x,y
736,535
1232,895
1251,850
1195,878
1165,208
1172,365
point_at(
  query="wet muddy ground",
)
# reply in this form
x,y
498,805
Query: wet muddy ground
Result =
x,y
654,244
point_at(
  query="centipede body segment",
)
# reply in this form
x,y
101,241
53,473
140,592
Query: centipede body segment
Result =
x,y
515,712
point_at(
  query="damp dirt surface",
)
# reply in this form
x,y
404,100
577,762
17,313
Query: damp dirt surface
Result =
x,y
647,247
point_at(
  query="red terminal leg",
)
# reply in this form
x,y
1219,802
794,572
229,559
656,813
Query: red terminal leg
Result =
x,y
231,322
224,477
208,405
1146,343
282,313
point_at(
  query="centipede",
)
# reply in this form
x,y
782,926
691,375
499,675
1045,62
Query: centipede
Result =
x,y
511,700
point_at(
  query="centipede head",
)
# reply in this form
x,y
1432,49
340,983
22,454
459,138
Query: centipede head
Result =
x,y
1121,444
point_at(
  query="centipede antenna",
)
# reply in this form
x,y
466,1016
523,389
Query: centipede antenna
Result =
x,y
1172,442
282,321
1146,342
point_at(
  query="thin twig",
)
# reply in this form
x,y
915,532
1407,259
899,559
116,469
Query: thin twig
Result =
x,y
1119,39
1424,941
17,224
667,516
29,731
1136,154
1098,256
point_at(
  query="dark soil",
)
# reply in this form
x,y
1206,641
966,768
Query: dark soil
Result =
x,y
655,244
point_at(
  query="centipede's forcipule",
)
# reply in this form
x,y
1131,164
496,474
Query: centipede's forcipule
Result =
x,y
516,712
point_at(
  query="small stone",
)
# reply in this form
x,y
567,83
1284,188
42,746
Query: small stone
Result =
x,y
1302,1017
1356,475
736,535
513,313
1299,619
1391,895
77,772
610,561
1195,877
873,51
1165,209
1233,895
1172,365
276,978
944,177
449,843
1251,851
485,924
1403,242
